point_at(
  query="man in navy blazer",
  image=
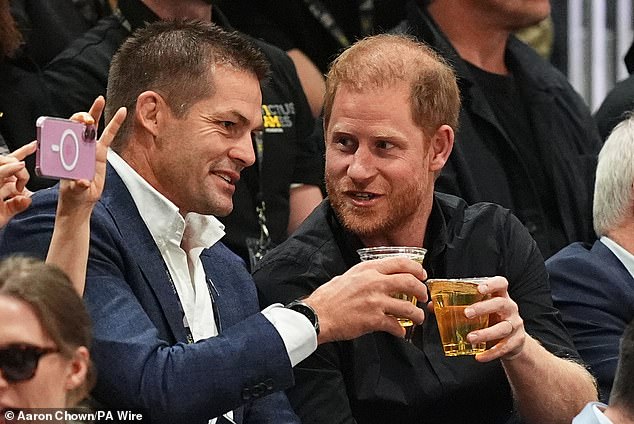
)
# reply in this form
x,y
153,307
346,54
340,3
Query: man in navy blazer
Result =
x,y
178,332
593,285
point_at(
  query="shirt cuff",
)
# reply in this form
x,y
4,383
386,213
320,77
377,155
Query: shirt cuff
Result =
x,y
296,331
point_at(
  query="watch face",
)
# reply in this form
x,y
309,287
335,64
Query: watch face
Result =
x,y
307,311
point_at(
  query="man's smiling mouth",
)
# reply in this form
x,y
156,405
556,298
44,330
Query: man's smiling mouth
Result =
x,y
363,195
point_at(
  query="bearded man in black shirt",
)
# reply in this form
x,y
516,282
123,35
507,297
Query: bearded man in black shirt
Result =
x,y
391,108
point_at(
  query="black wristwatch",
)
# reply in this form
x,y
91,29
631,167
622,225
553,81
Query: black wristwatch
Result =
x,y
307,311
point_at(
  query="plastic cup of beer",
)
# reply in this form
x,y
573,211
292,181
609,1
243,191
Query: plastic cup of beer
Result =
x,y
450,298
414,253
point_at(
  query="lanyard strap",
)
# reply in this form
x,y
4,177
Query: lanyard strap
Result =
x,y
122,19
260,205
366,19
366,16
325,18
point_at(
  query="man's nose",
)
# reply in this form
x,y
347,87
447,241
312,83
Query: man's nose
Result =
x,y
361,165
243,151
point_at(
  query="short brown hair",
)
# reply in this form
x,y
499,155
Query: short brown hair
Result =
x,y
385,59
61,311
176,59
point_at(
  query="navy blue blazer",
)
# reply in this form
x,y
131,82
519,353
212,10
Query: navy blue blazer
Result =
x,y
595,294
140,344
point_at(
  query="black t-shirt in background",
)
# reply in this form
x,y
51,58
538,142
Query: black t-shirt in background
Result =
x,y
534,198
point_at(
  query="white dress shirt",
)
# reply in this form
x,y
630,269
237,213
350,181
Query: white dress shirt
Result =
x,y
626,258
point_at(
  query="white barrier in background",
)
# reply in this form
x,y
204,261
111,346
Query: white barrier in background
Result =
x,y
596,46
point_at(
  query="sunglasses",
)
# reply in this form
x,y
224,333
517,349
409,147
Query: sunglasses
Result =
x,y
18,362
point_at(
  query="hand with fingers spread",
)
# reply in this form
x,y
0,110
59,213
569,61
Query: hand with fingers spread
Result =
x,y
71,235
359,301
506,327
14,176
76,194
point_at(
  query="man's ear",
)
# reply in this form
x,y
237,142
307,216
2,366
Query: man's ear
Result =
x,y
441,145
150,108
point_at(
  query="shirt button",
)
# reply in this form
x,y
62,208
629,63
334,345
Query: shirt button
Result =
x,y
258,390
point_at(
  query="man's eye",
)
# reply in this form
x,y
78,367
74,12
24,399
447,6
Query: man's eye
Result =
x,y
344,142
384,145
228,124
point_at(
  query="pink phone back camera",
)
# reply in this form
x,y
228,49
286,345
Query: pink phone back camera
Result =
x,y
65,149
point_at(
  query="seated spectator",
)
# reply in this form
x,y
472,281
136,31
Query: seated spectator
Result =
x,y
382,158
621,407
593,284
44,338
513,103
178,332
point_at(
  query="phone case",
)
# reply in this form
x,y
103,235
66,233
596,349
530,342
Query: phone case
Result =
x,y
65,149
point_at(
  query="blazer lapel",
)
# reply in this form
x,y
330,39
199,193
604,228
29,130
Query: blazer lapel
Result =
x,y
118,201
230,287
611,261
233,289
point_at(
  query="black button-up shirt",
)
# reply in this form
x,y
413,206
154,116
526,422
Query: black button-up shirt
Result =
x,y
379,378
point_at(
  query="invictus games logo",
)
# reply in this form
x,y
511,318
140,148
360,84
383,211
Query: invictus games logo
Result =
x,y
278,117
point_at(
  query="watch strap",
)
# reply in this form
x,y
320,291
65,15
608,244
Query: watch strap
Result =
x,y
307,311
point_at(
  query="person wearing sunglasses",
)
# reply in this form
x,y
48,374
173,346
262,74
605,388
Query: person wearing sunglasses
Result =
x,y
45,332
44,325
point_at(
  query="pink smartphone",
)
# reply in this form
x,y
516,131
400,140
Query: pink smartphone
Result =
x,y
65,149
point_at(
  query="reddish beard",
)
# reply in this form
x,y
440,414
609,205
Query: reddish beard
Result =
x,y
396,209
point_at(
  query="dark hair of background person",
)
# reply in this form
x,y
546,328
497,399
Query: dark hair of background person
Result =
x,y
622,395
10,37
61,311
175,61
